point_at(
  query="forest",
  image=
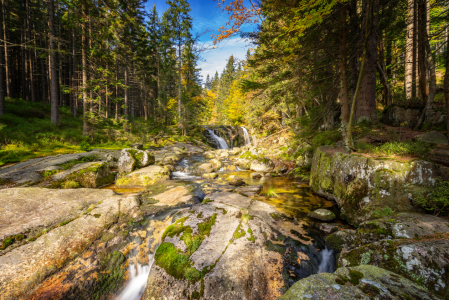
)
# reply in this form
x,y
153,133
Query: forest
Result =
x,y
313,65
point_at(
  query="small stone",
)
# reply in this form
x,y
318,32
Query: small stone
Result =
x,y
235,180
210,175
256,175
322,214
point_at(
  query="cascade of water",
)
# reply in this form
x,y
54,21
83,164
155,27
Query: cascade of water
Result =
x,y
135,288
327,264
220,141
245,133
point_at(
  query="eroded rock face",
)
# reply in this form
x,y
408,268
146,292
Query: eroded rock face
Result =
x,y
363,185
227,239
362,282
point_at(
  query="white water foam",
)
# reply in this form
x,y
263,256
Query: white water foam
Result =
x,y
221,142
245,133
327,261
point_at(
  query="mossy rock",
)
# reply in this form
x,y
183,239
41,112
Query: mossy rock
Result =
x,y
322,214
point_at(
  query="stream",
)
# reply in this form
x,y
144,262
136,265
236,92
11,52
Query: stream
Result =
x,y
294,199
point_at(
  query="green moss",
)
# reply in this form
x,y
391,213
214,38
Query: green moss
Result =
x,y
70,184
275,216
173,262
207,200
340,281
66,222
206,227
370,290
222,209
355,276
239,232
97,215
246,218
192,274
175,228
252,238
200,215
7,242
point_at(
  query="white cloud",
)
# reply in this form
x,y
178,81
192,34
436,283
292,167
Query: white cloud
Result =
x,y
215,60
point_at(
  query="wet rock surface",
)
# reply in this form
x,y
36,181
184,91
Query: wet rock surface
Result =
x,y
362,282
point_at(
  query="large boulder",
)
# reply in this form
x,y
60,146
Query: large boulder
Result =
x,y
362,282
361,185
235,180
126,162
89,175
264,165
433,137
399,226
144,177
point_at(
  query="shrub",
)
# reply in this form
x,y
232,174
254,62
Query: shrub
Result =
x,y
84,146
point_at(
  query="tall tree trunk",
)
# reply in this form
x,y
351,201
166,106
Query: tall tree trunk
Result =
x,y
74,76
368,28
383,72
415,89
61,96
5,46
343,72
53,71
84,65
422,16
366,107
30,59
409,49
180,125
446,87
2,91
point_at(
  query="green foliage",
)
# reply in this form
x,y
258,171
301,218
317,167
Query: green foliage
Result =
x,y
385,212
84,146
271,193
437,201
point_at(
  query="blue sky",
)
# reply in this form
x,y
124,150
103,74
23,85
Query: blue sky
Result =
x,y
207,16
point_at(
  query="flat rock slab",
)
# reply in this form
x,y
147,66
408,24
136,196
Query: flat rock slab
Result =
x,y
174,196
249,190
29,209
368,282
25,267
30,170
232,199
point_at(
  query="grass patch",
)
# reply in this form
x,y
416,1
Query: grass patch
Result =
x,y
407,148
271,193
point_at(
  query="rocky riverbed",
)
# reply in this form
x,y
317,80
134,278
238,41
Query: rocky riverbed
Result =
x,y
188,222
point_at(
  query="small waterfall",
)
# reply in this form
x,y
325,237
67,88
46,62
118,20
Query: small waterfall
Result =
x,y
135,288
184,172
247,139
327,264
220,141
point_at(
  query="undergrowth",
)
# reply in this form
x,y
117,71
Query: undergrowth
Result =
x,y
437,201
407,148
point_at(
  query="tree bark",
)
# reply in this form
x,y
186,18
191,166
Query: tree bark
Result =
x,y
5,45
343,71
74,93
409,41
381,67
446,87
2,91
422,15
366,107
53,71
179,85
84,65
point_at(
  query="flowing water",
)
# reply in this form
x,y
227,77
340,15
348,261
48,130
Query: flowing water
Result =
x,y
220,141
246,135
294,199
